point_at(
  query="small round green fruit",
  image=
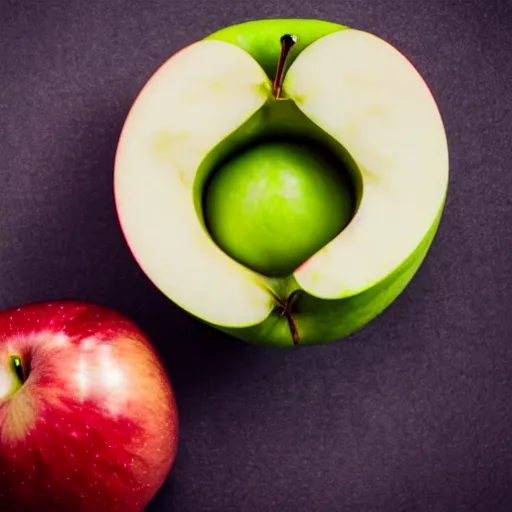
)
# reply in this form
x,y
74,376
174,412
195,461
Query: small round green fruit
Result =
x,y
273,206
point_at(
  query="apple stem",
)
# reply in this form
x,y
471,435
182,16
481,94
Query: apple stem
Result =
x,y
293,329
287,311
18,368
287,43
12,379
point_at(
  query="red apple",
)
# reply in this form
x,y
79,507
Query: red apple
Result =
x,y
88,419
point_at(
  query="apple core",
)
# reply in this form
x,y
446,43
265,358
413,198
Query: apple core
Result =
x,y
271,207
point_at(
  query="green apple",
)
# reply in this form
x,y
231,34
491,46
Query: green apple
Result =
x,y
314,84
274,205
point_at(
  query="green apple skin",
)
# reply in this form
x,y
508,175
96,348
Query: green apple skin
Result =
x,y
261,38
318,320
275,205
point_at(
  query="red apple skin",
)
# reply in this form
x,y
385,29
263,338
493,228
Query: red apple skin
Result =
x,y
95,425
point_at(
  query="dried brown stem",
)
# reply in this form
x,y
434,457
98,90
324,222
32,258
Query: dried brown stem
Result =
x,y
287,43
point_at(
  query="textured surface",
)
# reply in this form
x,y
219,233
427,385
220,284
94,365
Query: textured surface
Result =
x,y
411,414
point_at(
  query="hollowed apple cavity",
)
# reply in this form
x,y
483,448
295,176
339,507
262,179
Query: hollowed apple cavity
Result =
x,y
347,95
282,196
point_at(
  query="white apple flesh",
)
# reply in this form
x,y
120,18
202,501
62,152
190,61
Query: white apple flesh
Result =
x,y
375,103
193,102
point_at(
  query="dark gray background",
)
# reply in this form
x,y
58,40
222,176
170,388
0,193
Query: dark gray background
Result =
x,y
411,414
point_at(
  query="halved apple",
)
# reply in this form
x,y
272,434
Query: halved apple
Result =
x,y
346,89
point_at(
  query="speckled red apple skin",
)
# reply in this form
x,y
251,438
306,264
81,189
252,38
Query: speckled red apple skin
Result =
x,y
95,425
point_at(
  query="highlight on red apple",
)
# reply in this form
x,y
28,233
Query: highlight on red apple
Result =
x,y
88,418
